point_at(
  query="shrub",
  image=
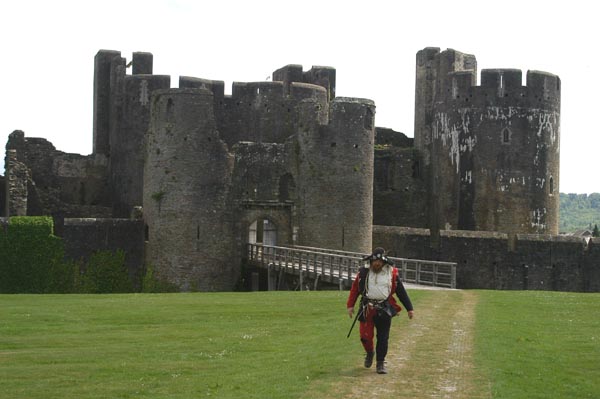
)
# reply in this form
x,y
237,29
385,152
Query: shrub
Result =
x,y
30,253
151,283
105,272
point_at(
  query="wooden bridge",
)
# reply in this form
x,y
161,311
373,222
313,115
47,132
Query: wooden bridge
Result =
x,y
340,267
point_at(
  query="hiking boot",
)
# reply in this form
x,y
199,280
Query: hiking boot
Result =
x,y
369,359
381,368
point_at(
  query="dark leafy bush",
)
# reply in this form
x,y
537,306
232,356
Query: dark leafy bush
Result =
x,y
105,272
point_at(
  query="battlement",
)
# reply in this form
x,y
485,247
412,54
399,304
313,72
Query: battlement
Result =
x,y
504,87
353,112
217,87
323,76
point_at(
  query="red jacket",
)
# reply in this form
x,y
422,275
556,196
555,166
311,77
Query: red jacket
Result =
x,y
359,287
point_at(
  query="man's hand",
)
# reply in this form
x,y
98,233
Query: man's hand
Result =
x,y
411,313
350,312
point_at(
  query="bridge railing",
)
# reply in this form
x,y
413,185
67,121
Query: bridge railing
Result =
x,y
341,266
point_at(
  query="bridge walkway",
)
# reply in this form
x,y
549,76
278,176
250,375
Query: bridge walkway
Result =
x,y
340,267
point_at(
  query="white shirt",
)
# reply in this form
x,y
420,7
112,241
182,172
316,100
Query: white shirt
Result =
x,y
379,285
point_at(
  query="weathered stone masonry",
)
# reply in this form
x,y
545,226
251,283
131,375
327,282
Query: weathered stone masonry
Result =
x,y
492,151
207,166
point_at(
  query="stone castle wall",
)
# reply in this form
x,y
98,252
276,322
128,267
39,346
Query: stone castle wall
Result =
x,y
488,260
83,237
400,190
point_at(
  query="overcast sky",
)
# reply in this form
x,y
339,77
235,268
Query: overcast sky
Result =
x,y
48,50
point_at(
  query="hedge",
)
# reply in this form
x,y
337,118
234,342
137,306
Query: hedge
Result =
x,y
29,254
32,261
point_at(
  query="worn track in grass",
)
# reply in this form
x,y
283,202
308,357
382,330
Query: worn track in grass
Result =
x,y
429,356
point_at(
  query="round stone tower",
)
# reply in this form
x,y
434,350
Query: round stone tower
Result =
x,y
494,151
335,169
187,176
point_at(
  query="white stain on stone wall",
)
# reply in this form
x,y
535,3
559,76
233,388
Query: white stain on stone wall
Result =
x,y
449,137
468,177
539,182
144,93
538,217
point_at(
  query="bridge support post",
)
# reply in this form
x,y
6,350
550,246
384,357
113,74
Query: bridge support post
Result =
x,y
269,283
255,281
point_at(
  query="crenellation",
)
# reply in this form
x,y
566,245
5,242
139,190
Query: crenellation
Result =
x,y
217,87
462,84
501,78
249,91
142,63
323,76
544,88
288,74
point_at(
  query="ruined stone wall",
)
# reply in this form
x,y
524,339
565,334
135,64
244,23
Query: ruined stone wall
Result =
x,y
83,184
493,150
489,260
56,183
18,178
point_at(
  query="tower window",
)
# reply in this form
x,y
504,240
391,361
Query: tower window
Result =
x,y
505,136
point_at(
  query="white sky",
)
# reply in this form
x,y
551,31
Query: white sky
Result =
x,y
48,50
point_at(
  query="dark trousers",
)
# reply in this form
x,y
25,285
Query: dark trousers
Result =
x,y
382,324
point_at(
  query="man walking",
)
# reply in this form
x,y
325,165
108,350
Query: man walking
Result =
x,y
377,283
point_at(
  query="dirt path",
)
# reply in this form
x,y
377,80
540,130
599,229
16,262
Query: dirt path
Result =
x,y
429,356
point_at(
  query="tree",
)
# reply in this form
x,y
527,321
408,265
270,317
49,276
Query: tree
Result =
x,y
596,232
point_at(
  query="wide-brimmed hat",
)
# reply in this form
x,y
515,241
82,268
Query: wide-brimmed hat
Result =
x,y
378,253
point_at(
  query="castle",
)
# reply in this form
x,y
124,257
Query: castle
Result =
x,y
287,162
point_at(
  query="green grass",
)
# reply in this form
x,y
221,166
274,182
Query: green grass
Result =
x,y
271,344
539,344
250,345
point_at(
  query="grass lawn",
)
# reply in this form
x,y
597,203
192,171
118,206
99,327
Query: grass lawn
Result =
x,y
270,344
536,344
250,345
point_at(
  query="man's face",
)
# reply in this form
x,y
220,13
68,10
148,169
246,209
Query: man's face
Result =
x,y
376,265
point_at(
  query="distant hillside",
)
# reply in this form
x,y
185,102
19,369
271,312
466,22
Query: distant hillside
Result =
x,y
579,211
